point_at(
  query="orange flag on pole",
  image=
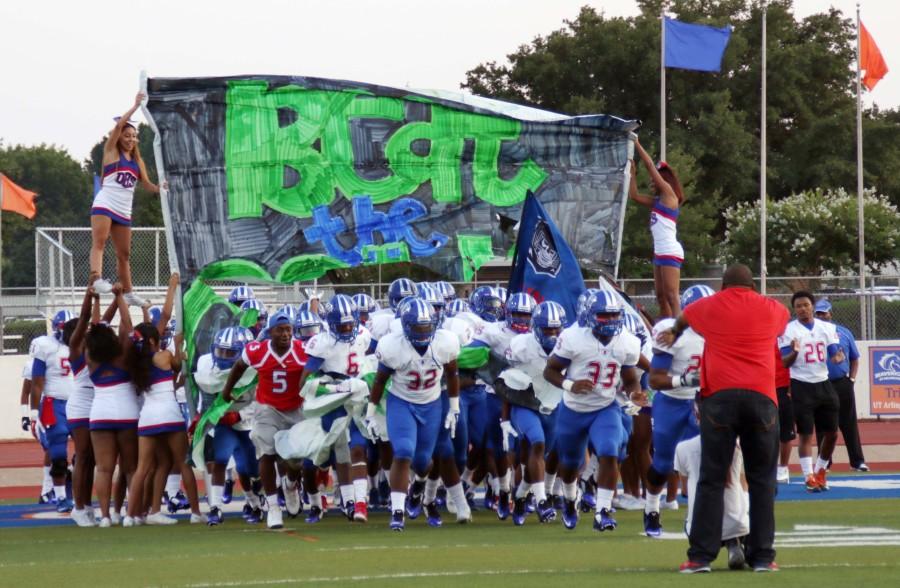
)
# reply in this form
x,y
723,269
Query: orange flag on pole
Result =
x,y
16,198
870,59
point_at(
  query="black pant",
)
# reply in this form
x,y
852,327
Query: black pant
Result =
x,y
724,417
847,420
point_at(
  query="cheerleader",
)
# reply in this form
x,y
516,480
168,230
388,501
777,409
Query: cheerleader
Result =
x,y
123,168
668,254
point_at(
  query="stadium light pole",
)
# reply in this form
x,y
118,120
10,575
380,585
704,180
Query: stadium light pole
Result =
x,y
762,161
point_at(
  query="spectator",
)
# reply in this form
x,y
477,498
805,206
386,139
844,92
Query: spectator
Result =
x,y
737,392
842,376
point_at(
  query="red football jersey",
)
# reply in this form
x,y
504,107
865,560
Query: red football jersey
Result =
x,y
279,377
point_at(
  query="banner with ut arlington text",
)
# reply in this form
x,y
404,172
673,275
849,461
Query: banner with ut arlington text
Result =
x,y
283,178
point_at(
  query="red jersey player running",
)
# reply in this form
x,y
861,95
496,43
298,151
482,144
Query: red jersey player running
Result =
x,y
278,362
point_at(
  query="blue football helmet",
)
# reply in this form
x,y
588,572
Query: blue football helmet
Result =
x,y
322,309
343,318
503,293
59,322
398,310
400,289
228,345
488,304
582,301
520,303
365,305
635,326
240,295
262,314
695,293
603,314
446,290
308,325
287,309
417,319
457,306
431,295
548,316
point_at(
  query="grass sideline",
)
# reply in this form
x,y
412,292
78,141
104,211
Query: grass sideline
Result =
x,y
487,553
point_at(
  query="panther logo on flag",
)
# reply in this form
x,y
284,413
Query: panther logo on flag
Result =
x,y
542,255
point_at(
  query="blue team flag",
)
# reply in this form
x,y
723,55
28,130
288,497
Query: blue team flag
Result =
x,y
544,265
693,46
97,184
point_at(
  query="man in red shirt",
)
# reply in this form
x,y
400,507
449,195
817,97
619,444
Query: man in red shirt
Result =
x,y
737,399
278,362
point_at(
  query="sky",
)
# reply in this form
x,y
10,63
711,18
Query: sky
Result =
x,y
69,67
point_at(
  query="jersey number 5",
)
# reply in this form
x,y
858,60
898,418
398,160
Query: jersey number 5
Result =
x,y
64,366
279,382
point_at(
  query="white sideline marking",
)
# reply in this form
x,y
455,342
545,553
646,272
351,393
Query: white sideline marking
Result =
x,y
363,578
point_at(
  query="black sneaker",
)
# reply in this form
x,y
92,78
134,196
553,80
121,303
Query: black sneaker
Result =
x,y
397,522
520,511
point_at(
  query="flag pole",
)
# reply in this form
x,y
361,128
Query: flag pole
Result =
x,y
763,270
662,83
859,190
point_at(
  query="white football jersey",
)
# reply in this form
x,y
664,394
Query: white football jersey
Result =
x,y
339,357
526,354
686,354
497,337
417,378
380,323
592,360
460,327
811,363
58,379
212,380
473,319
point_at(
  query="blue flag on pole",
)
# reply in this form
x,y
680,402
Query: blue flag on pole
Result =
x,y
694,46
544,265
97,184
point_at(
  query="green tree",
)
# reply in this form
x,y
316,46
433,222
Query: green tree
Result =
x,y
64,199
600,64
814,232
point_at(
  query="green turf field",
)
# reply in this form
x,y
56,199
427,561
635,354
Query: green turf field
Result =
x,y
487,553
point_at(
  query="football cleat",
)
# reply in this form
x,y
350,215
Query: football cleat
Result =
x,y
274,519
228,491
414,500
214,517
820,478
558,501
545,511
440,498
812,484
530,503
349,510
694,567
519,512
374,498
315,514
247,510
48,497
604,521
255,516
652,525
177,502
397,522
433,516
490,502
570,514
64,505
360,512
503,505
766,567
292,503
588,500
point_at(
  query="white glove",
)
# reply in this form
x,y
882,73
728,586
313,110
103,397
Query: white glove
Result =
x,y
370,422
452,417
313,294
507,429
344,386
631,409
37,427
691,379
